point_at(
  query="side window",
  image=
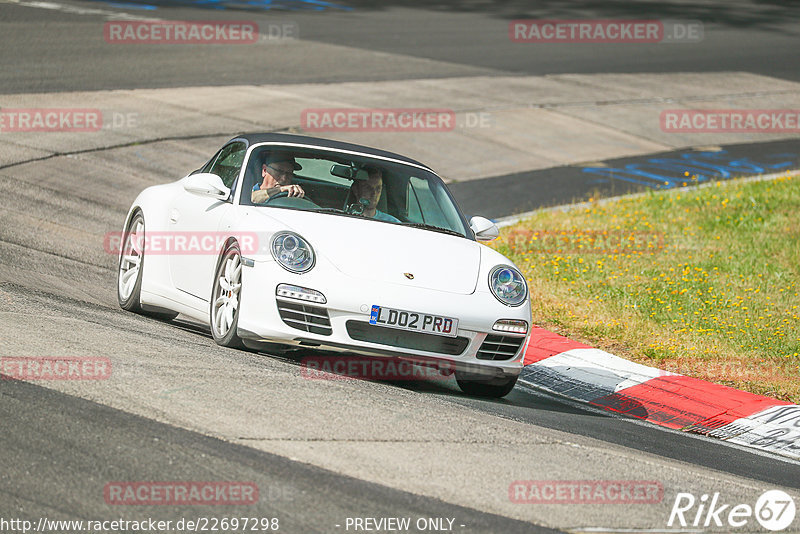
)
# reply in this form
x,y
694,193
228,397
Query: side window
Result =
x,y
207,166
229,162
423,206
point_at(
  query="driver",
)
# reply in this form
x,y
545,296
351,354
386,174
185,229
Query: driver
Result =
x,y
277,172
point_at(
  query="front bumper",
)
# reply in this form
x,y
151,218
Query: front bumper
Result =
x,y
348,306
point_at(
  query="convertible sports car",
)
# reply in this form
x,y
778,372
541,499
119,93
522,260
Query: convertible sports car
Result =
x,y
375,259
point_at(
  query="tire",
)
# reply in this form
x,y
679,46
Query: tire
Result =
x,y
131,264
226,295
130,269
479,386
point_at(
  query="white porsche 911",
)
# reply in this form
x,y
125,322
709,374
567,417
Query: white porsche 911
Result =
x,y
319,244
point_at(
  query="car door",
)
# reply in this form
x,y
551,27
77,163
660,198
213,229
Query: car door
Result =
x,y
195,220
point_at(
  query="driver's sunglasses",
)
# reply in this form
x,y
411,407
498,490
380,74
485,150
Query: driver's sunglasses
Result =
x,y
288,174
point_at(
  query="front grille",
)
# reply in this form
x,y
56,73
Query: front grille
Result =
x,y
361,331
496,347
305,317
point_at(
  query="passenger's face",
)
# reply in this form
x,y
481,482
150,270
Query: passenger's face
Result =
x,y
370,190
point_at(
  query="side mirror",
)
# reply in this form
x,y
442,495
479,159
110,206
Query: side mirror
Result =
x,y
206,184
483,228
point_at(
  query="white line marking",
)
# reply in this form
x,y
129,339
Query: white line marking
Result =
x,y
75,10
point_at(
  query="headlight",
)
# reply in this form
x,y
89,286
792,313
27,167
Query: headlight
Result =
x,y
292,252
508,285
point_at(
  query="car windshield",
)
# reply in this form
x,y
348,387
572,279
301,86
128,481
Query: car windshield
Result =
x,y
351,186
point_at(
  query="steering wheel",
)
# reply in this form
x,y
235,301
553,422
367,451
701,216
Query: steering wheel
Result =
x,y
280,194
283,200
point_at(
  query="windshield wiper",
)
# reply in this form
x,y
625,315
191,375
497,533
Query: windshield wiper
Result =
x,y
335,211
434,228
328,210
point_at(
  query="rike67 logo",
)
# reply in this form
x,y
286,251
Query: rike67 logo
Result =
x,y
774,510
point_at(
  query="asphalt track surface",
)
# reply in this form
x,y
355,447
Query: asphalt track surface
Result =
x,y
517,193
116,443
46,50
61,442
180,408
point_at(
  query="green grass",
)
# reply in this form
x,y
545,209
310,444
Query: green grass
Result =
x,y
701,282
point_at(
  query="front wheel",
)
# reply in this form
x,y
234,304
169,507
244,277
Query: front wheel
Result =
x,y
473,384
226,297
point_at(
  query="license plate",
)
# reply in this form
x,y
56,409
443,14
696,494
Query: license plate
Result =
x,y
417,322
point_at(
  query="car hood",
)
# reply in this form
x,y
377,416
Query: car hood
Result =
x,y
385,252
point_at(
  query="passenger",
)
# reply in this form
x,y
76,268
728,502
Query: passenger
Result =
x,y
368,192
277,172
